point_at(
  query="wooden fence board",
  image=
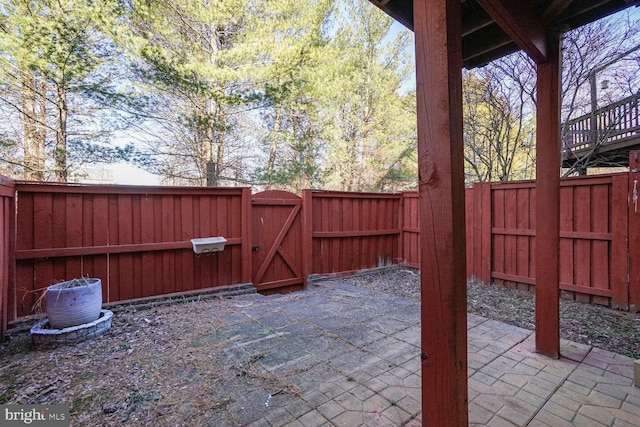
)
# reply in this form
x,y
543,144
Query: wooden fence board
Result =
x,y
498,245
566,245
185,264
474,219
582,254
511,247
335,226
485,232
523,255
600,249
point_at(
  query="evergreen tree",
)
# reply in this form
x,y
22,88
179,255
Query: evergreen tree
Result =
x,y
295,131
210,66
373,127
59,80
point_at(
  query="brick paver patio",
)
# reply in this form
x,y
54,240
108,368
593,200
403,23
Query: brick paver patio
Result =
x,y
353,355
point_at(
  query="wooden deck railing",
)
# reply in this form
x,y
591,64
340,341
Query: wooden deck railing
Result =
x,y
606,126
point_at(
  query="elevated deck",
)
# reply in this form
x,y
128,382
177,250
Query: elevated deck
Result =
x,y
606,134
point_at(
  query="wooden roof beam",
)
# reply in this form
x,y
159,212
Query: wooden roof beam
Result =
x,y
482,59
554,9
474,22
484,42
521,24
380,3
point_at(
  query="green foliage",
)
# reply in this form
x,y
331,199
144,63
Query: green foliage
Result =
x,y
60,80
290,94
211,65
371,120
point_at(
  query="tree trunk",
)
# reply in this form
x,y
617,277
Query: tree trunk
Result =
x,y
214,141
34,133
42,123
214,112
273,149
60,153
212,174
220,152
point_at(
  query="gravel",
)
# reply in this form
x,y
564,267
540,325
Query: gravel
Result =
x,y
591,324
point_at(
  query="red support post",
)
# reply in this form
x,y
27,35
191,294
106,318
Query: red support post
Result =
x,y
548,204
437,25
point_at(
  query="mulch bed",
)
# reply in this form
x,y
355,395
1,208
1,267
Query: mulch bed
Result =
x,y
155,366
591,324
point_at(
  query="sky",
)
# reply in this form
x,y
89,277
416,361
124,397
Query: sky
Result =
x,y
120,173
126,174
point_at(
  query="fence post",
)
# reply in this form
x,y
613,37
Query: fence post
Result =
x,y
247,253
619,232
7,253
469,203
307,235
401,253
482,231
634,232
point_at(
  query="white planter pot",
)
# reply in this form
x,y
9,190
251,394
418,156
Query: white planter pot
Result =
x,y
206,245
73,305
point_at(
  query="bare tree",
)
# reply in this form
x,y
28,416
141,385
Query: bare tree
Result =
x,y
606,49
498,129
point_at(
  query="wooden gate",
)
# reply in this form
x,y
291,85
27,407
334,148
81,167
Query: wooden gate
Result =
x,y
277,242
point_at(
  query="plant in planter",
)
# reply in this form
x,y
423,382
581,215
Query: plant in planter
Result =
x,y
73,302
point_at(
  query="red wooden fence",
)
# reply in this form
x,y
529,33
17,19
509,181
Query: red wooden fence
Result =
x,y
353,231
410,223
593,236
137,239
7,242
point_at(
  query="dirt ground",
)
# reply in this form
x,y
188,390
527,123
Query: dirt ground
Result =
x,y
594,325
153,367
160,371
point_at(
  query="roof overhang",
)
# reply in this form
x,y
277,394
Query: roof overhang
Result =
x,y
495,28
